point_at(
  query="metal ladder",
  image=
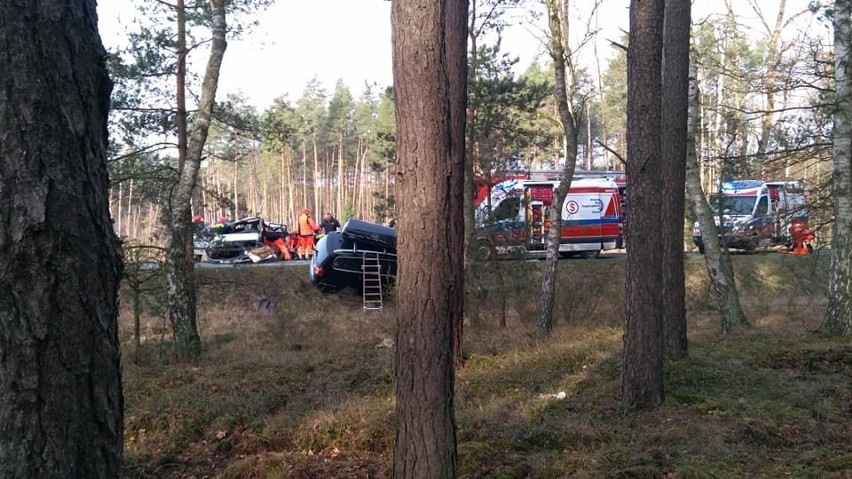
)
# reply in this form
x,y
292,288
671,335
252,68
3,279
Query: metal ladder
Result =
x,y
372,282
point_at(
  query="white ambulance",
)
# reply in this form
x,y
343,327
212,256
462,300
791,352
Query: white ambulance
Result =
x,y
514,219
752,213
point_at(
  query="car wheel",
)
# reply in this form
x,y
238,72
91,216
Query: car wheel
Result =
x,y
347,291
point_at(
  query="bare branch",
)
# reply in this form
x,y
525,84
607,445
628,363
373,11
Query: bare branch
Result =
x,y
614,153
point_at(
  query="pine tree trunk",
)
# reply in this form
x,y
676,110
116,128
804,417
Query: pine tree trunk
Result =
x,y
642,358
130,217
118,217
236,197
61,406
283,184
291,207
430,85
838,313
674,119
316,182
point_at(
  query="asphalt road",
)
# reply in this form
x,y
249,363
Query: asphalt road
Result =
x,y
605,256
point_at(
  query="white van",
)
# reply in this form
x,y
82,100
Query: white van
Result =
x,y
752,213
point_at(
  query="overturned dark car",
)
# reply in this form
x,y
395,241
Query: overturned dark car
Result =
x,y
338,263
246,240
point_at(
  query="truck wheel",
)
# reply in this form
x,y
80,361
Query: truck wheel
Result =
x,y
483,250
590,254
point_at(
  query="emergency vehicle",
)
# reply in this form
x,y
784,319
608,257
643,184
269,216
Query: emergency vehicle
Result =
x,y
753,213
514,218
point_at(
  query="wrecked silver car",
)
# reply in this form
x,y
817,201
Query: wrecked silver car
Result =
x,y
248,240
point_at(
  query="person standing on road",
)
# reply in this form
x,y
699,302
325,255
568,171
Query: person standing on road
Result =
x,y
307,229
329,223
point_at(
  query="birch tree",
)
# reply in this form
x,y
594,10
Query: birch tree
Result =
x,y
838,313
180,283
564,91
716,260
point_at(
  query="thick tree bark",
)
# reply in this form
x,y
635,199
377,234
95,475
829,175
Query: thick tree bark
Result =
x,y
429,79
674,110
61,410
718,262
180,283
455,43
838,314
642,358
563,90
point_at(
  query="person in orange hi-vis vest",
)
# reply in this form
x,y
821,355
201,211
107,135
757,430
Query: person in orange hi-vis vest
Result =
x,y
307,229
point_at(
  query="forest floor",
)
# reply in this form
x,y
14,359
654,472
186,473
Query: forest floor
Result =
x,y
305,389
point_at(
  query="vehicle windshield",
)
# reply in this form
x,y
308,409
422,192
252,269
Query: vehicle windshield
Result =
x,y
733,205
507,209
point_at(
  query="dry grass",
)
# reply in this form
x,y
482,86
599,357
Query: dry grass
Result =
x,y
304,391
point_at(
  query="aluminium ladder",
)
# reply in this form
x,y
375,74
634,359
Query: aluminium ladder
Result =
x,y
372,282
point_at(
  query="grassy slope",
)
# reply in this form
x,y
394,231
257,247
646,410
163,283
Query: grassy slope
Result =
x,y
304,391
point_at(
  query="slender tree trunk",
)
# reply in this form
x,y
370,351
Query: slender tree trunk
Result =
x,y
217,178
61,406
304,175
343,186
254,186
455,42
429,80
673,143
838,313
473,285
131,225
315,208
136,299
291,208
642,358
180,281
717,261
284,181
236,193
773,64
564,92
180,115
118,222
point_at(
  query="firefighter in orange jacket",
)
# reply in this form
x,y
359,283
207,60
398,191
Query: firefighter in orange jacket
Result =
x,y
307,229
